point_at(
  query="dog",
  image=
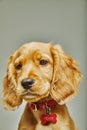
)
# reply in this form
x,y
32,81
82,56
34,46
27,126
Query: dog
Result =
x,y
45,77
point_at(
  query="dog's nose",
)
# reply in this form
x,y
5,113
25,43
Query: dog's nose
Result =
x,y
27,83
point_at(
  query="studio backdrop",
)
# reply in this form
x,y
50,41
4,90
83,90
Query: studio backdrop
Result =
x,y
60,21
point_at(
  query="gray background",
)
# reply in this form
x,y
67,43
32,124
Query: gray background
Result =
x,y
60,21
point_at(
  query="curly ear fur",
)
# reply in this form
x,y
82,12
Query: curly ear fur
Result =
x,y
10,97
66,76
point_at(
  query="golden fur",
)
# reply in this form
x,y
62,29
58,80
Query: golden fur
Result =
x,y
59,79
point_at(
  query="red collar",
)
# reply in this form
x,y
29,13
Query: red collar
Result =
x,y
42,105
48,117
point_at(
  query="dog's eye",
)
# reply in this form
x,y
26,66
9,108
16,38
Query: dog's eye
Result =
x,y
43,62
18,66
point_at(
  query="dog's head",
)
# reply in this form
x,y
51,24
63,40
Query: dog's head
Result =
x,y
37,70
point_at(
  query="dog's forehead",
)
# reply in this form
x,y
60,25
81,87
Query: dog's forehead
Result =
x,y
30,50
34,46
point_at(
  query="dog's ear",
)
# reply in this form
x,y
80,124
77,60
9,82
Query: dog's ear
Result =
x,y
66,76
10,97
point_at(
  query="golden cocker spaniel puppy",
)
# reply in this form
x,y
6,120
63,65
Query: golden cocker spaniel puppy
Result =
x,y
46,77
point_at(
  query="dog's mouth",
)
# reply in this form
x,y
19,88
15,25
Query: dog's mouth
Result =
x,y
31,97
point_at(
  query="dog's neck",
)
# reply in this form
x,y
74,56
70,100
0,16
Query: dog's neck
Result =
x,y
42,105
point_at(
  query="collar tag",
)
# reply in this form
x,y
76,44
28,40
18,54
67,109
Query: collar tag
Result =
x,y
47,119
